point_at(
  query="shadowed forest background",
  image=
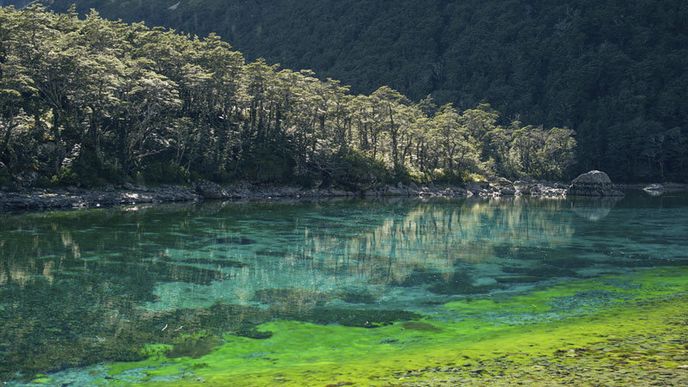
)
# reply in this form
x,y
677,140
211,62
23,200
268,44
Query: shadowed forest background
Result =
x,y
612,71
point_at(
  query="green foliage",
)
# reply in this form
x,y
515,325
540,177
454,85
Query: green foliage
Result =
x,y
441,175
88,101
355,170
538,153
163,172
65,177
268,163
615,71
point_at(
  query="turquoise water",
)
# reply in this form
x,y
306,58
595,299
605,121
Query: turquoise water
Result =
x,y
86,288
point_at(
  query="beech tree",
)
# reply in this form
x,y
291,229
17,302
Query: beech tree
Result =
x,y
88,101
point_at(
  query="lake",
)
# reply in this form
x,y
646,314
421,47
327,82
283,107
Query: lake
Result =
x,y
347,292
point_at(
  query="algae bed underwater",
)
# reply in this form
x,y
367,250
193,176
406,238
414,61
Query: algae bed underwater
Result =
x,y
348,292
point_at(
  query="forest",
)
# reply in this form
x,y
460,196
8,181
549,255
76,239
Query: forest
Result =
x,y
614,71
87,101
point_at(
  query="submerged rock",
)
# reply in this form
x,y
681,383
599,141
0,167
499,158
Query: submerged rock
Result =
x,y
593,183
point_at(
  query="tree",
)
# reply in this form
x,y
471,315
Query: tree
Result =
x,y
458,150
91,101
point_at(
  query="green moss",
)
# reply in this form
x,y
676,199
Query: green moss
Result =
x,y
154,350
636,309
616,289
420,326
41,379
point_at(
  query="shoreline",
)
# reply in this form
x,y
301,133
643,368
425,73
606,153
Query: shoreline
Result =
x,y
38,200
70,198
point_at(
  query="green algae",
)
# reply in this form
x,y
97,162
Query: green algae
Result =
x,y
194,347
155,350
644,304
420,326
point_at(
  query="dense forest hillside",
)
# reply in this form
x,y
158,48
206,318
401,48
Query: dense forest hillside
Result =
x,y
615,71
85,101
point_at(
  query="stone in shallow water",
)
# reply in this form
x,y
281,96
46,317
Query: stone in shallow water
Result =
x,y
593,183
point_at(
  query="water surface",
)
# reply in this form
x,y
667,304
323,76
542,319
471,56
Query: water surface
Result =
x,y
82,290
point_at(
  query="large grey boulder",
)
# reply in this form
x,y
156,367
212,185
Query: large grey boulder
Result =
x,y
593,184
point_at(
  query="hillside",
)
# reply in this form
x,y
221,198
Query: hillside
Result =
x,y
614,71
88,101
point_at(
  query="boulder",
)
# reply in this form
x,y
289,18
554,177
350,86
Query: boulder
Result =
x,y
522,187
477,187
503,186
209,190
593,184
547,191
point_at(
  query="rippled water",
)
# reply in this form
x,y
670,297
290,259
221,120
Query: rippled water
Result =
x,y
83,288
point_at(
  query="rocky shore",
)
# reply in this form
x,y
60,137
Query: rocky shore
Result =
x,y
593,183
72,198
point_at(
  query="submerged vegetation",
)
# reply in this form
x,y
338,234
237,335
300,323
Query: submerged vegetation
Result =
x,y
88,101
562,334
